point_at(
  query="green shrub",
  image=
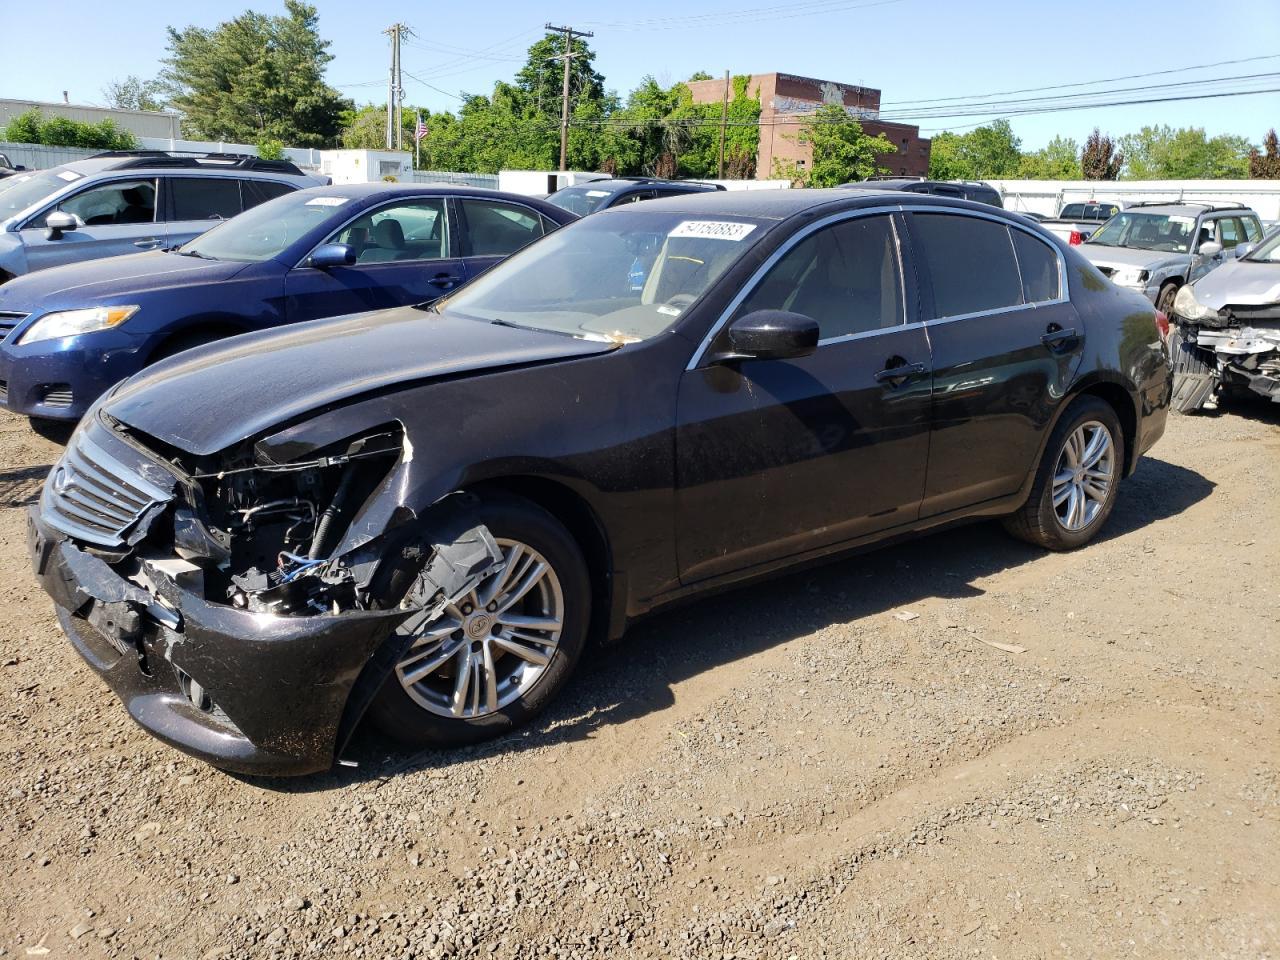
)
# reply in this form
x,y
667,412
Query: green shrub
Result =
x,y
32,127
269,149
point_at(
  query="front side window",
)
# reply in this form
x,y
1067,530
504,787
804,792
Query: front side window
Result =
x,y
112,204
412,230
204,198
625,275
844,276
497,229
971,263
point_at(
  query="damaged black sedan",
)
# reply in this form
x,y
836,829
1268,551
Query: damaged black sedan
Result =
x,y
421,515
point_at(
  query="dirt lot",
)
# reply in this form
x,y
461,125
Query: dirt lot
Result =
x,y
836,764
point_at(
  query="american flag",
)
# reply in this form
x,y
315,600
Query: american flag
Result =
x,y
421,130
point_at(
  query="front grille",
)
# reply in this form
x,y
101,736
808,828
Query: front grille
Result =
x,y
56,395
8,321
1108,271
93,496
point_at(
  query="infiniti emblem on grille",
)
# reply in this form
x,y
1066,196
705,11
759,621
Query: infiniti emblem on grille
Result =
x,y
60,480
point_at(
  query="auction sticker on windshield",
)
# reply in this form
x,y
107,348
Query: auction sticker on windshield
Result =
x,y
712,229
326,201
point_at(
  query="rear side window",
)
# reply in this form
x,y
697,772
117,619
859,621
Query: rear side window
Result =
x,y
204,198
1072,211
1252,229
498,229
971,263
1231,232
254,192
844,276
1038,265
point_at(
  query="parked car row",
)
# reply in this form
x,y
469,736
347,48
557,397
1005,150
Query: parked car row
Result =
x,y
419,510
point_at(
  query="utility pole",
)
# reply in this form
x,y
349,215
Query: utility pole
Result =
x,y
395,89
570,35
724,120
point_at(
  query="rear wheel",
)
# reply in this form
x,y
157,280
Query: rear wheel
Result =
x,y
497,656
1077,480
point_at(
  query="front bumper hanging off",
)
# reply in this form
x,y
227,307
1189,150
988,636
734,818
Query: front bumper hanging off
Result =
x,y
248,692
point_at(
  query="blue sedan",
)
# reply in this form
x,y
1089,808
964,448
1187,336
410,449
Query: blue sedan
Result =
x,y
69,333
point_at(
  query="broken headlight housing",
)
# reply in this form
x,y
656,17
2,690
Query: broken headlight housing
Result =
x,y
1188,307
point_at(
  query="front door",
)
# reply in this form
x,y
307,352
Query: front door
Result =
x,y
775,458
404,255
1006,342
112,219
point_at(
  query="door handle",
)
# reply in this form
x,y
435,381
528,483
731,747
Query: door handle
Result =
x,y
148,244
1059,340
444,281
897,371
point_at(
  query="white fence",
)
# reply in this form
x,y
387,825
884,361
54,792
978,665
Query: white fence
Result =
x,y
37,156
1048,196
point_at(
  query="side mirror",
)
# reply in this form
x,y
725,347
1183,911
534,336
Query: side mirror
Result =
x,y
1243,249
60,222
333,255
1211,250
771,335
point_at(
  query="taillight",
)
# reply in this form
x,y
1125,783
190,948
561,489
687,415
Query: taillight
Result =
x,y
1162,324
1076,238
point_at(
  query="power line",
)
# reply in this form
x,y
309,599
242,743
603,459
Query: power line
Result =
x,y
570,35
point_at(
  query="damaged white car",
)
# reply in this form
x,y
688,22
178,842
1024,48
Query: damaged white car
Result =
x,y
1228,331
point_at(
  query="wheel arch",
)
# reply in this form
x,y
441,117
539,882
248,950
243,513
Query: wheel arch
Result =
x,y
216,327
1121,399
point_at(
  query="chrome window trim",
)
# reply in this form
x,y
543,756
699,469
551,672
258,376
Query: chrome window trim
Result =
x,y
696,360
444,212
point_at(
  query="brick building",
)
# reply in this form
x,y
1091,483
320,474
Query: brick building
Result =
x,y
785,100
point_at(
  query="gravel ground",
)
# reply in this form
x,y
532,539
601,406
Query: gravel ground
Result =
x,y
835,764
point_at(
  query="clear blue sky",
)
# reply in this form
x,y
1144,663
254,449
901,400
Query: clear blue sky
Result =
x,y
913,50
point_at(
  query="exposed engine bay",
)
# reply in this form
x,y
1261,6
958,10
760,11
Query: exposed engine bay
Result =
x,y
1241,353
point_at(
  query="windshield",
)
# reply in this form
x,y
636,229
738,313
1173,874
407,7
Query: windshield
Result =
x,y
1147,231
580,200
27,189
267,230
624,275
1268,251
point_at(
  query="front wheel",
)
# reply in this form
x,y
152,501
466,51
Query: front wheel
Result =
x,y
497,656
1077,480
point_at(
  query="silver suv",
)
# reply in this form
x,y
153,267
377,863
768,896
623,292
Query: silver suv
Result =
x,y
1156,247
129,201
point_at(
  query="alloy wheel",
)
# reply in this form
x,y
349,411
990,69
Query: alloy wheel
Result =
x,y
1084,476
491,646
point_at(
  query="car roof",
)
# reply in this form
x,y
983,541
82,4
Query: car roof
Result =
x,y
127,162
618,184
381,190
783,204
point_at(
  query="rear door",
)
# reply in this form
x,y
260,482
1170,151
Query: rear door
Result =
x,y
491,230
778,457
195,204
1006,342
405,253
115,218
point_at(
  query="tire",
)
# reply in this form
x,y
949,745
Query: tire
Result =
x,y
416,714
185,341
1039,520
1194,377
56,431
1164,299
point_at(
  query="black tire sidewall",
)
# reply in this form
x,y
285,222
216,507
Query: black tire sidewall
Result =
x,y
1082,410
1165,298
506,517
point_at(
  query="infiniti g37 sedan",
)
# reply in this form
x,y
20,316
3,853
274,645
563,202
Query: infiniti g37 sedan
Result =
x,y
420,515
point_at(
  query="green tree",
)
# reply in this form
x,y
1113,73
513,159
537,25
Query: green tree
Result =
x,y
985,153
1266,166
1163,153
541,79
1099,159
841,150
33,127
134,93
255,77
1057,160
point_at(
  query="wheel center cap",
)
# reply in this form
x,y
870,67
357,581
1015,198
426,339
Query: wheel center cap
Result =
x,y
478,626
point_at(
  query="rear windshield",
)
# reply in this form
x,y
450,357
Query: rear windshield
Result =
x,y
24,190
580,200
623,275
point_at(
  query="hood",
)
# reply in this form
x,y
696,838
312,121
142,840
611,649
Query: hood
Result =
x,y
1241,283
207,399
1101,256
93,281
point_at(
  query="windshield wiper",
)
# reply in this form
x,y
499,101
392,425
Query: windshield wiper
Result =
x,y
195,253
